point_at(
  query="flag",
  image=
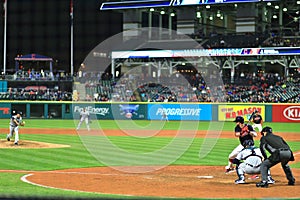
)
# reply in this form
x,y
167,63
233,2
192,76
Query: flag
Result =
x,y
71,8
4,6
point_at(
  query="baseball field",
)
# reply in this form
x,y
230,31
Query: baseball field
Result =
x,y
153,160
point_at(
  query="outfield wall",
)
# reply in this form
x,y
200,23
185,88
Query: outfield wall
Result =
x,y
152,111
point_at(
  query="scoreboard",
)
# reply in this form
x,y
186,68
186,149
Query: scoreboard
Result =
x,y
130,4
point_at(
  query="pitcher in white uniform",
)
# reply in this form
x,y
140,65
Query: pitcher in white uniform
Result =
x,y
15,122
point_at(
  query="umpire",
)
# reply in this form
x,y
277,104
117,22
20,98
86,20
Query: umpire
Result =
x,y
280,153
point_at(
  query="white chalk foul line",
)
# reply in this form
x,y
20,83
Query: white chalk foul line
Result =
x,y
207,177
24,179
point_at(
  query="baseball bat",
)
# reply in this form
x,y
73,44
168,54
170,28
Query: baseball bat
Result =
x,y
249,120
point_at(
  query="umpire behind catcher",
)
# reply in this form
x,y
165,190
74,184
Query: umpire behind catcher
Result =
x,y
280,153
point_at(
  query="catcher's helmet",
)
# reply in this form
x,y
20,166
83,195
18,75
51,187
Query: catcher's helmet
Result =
x,y
266,129
248,143
239,119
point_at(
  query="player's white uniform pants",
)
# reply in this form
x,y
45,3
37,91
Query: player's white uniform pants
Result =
x,y
258,126
245,168
86,122
233,154
12,130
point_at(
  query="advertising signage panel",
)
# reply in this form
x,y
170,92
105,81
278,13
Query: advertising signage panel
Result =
x,y
200,2
180,111
230,112
286,113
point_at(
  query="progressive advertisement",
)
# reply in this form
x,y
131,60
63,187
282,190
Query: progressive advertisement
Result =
x,y
286,113
180,111
230,112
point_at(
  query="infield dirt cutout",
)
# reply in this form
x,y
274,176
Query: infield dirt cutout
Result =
x,y
171,181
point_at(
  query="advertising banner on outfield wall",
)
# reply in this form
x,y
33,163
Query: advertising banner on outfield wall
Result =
x,y
230,112
129,111
180,111
112,111
286,113
5,110
101,111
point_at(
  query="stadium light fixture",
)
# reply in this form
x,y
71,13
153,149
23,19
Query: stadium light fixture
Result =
x,y
151,9
298,2
172,14
207,6
198,14
274,16
269,4
277,7
162,12
284,9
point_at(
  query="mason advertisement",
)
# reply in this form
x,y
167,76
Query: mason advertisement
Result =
x,y
230,112
286,113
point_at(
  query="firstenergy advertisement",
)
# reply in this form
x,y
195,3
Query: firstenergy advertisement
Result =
x,y
230,112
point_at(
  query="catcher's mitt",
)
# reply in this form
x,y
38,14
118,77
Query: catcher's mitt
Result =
x,y
22,123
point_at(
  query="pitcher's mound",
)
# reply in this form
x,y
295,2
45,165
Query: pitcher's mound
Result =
x,y
29,144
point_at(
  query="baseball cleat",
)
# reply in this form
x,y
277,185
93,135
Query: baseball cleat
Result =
x,y
291,183
16,143
263,184
229,170
271,180
239,181
8,139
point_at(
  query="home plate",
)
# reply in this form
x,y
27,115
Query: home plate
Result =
x,y
204,176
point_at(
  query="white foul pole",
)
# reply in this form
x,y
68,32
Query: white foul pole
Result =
x,y
72,32
4,42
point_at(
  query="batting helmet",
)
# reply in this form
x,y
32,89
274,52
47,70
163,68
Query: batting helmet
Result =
x,y
239,119
248,143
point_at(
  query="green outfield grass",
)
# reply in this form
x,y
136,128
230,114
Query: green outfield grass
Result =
x,y
77,156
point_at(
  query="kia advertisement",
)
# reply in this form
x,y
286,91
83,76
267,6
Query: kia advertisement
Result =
x,y
286,113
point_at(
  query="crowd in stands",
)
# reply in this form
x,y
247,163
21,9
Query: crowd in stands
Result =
x,y
40,75
36,94
247,87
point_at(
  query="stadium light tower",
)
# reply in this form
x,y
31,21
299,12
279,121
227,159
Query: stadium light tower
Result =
x,y
4,39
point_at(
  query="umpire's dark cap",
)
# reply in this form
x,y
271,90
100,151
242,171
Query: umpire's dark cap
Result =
x,y
239,119
266,129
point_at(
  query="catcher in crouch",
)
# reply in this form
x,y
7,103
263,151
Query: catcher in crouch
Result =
x,y
244,132
248,161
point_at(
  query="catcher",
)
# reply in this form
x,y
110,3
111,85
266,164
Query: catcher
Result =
x,y
244,132
15,122
248,161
